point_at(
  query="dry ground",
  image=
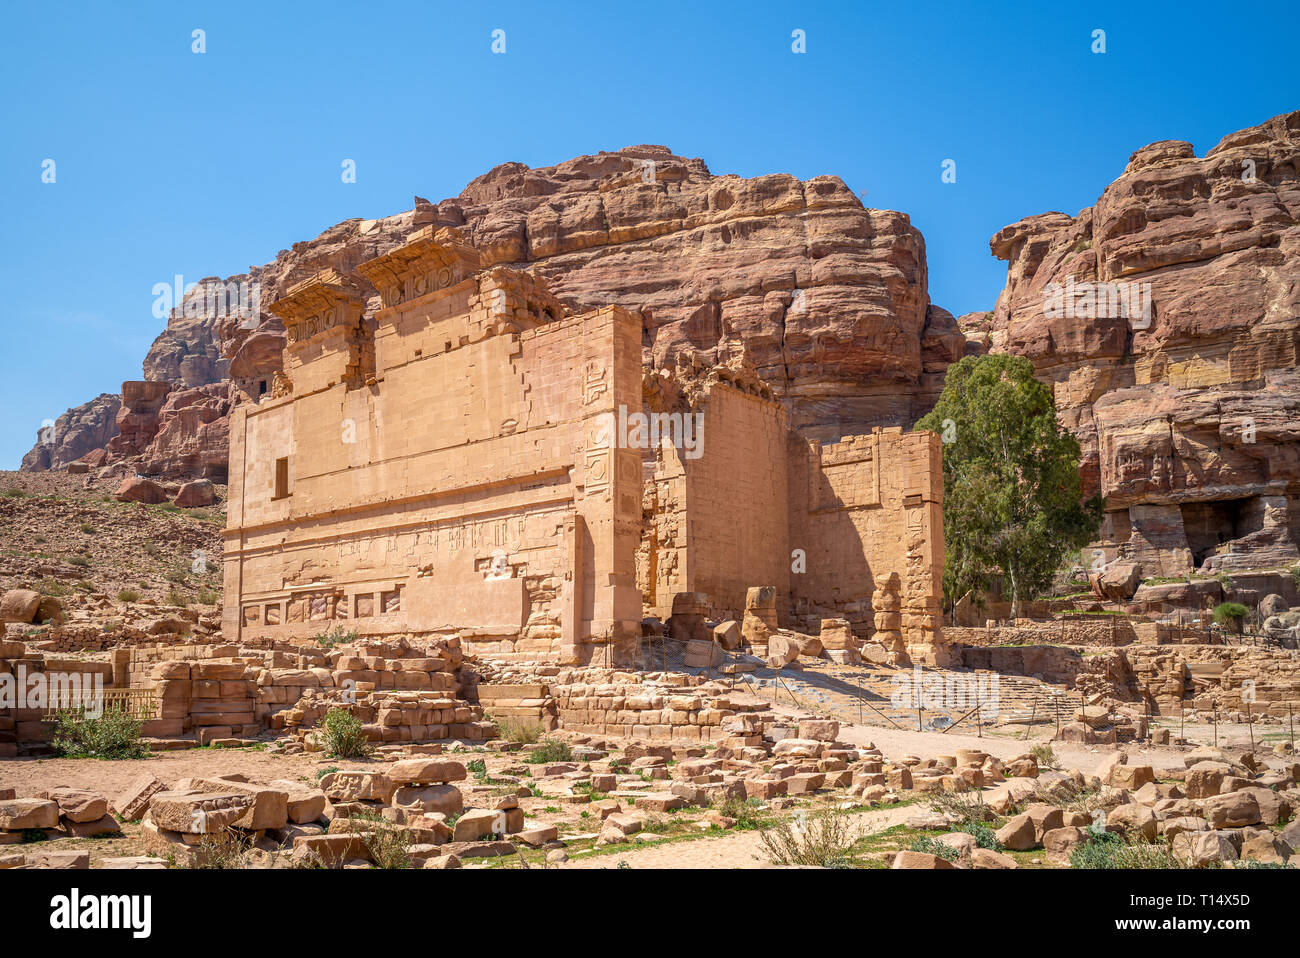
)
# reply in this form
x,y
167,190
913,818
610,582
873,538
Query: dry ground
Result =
x,y
62,537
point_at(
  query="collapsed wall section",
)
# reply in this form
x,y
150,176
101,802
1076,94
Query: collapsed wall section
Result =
x,y
866,514
716,512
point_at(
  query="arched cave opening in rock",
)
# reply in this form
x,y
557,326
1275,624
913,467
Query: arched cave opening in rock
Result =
x,y
1210,524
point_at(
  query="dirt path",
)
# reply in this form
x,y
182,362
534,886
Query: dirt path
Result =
x,y
735,850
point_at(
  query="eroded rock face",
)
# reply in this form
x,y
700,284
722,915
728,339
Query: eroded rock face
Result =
x,y
77,432
828,300
1187,413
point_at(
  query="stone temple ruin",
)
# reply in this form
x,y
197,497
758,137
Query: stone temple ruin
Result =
x,y
470,461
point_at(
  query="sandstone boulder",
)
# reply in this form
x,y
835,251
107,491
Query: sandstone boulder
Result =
x,y
1018,834
196,494
137,489
1232,810
19,605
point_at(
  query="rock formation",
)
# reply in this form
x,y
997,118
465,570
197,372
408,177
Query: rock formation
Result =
x,y
1188,411
77,432
829,300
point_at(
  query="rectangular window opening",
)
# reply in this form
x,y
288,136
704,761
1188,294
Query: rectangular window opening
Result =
x,y
281,479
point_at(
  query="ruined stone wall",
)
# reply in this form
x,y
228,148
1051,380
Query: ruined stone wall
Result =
x,y
646,706
458,476
717,523
1051,663
24,729
867,512
1107,631
1216,676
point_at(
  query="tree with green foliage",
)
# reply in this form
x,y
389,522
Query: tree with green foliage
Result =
x,y
1012,493
1231,614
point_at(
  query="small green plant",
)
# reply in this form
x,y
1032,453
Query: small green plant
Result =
x,y
342,735
221,850
1045,756
967,807
985,836
13,492
128,595
328,770
113,735
87,528
208,597
336,636
387,843
80,562
1069,795
745,811
177,597
1108,850
550,750
823,839
924,843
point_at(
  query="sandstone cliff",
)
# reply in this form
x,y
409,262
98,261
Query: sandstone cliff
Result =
x,y
1188,410
830,300
77,432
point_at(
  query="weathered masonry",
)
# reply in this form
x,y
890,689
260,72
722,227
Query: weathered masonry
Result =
x,y
457,461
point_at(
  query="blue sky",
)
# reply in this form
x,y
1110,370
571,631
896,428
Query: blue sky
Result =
x,y
173,162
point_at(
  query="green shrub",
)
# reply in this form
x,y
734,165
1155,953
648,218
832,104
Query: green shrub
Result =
x,y
823,839
1232,614
967,807
924,843
985,837
1108,850
550,750
336,636
80,562
1045,756
128,595
113,735
1068,795
387,843
208,597
342,737
746,812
